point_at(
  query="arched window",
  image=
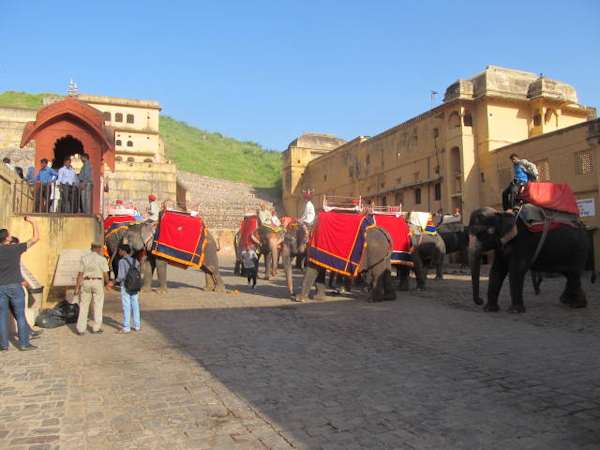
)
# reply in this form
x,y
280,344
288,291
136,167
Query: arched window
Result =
x,y
551,114
148,160
106,116
129,144
418,196
118,117
129,118
118,142
130,159
537,120
118,158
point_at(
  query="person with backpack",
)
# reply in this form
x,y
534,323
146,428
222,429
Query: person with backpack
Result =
x,y
91,279
131,283
523,172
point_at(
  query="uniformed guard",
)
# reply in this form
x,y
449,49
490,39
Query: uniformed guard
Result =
x,y
91,279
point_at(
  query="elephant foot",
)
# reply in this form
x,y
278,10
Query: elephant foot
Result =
x,y
320,298
299,299
163,291
220,290
580,301
420,287
145,290
516,309
491,307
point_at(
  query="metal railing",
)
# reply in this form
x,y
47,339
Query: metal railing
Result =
x,y
52,198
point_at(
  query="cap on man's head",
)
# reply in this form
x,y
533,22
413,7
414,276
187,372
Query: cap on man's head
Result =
x,y
152,197
119,202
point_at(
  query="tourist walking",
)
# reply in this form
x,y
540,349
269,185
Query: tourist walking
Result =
x,y
11,290
130,280
68,184
91,279
250,265
85,184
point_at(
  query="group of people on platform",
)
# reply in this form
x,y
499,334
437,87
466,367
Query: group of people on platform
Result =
x,y
60,191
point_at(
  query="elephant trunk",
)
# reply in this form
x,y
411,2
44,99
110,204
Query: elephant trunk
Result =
x,y
475,263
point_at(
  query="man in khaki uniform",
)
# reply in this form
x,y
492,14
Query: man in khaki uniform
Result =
x,y
92,276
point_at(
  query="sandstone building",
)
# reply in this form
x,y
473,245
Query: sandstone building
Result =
x,y
456,154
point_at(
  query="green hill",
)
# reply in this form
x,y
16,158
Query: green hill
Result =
x,y
195,150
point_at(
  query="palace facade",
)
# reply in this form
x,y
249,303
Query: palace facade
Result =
x,y
456,154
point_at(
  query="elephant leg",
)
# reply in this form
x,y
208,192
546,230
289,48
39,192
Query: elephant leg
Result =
x,y
574,295
382,287
516,280
498,273
439,267
209,282
161,271
320,282
268,269
147,271
536,280
310,276
403,276
420,272
213,280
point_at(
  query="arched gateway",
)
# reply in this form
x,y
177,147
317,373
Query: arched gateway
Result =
x,y
70,127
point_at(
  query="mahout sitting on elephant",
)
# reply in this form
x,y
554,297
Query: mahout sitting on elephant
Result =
x,y
561,246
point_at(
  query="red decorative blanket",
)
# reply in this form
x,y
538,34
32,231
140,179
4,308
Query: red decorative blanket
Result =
x,y
247,227
180,238
112,224
338,240
556,196
397,227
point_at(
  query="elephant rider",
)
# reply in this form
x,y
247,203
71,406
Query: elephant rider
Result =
x,y
308,217
153,209
523,172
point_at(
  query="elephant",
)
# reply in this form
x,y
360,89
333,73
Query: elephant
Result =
x,y
564,251
140,237
295,242
376,263
269,242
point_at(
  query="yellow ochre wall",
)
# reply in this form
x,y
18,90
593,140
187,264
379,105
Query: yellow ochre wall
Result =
x,y
57,233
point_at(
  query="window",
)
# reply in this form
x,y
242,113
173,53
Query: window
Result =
x,y
118,117
584,163
482,175
437,191
129,144
130,159
147,160
368,159
118,142
537,120
118,158
544,170
325,177
467,119
399,198
106,116
129,118
418,196
436,133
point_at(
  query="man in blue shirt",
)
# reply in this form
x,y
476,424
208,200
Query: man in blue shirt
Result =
x,y
43,186
523,172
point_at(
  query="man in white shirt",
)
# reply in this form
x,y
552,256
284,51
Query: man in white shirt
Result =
x,y
68,183
153,209
308,218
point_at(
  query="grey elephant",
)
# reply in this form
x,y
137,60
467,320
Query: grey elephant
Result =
x,y
295,242
517,250
375,262
140,237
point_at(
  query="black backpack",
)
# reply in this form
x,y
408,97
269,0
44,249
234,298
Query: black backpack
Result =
x,y
133,278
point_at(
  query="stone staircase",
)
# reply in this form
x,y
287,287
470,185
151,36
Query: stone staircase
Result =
x,y
222,204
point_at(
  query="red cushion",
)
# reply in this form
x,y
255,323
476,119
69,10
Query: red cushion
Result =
x,y
556,196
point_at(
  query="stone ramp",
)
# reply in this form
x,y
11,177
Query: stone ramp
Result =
x,y
221,203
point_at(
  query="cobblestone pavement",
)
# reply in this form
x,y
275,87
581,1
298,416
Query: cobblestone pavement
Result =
x,y
252,370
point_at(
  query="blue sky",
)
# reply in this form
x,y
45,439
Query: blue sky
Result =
x,y
267,71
